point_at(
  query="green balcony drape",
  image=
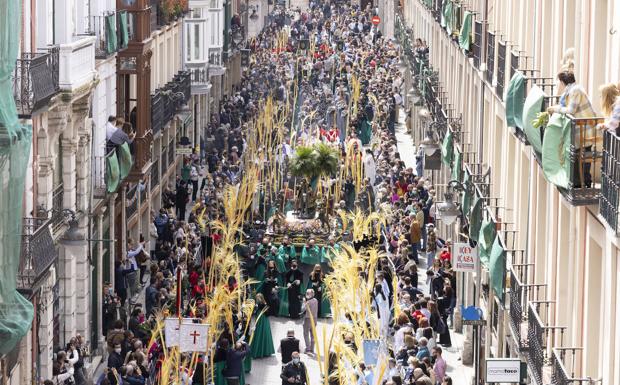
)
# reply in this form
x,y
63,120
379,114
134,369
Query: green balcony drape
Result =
x,y
447,148
465,33
113,173
124,159
475,219
124,29
485,240
111,40
16,312
467,194
457,166
533,105
497,268
446,15
556,150
515,99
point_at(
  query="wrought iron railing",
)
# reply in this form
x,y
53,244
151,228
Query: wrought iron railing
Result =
x,y
58,217
155,173
99,173
164,160
477,43
215,56
514,62
501,69
586,157
38,252
516,308
565,364
167,100
143,195
610,181
490,56
131,199
199,75
35,80
171,154
541,336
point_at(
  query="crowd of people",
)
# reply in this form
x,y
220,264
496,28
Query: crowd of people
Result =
x,y
346,86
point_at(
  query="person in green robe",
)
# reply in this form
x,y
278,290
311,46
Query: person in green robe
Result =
x,y
330,250
311,253
364,131
262,341
274,255
287,251
316,282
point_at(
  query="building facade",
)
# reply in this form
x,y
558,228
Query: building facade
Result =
x,y
555,304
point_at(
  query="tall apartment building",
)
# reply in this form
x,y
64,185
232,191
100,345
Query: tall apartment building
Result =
x,y
552,296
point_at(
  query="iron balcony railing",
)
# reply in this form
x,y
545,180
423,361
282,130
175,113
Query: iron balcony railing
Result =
x,y
99,174
490,56
131,199
164,160
565,364
609,200
143,195
58,217
38,252
541,336
586,157
215,56
171,154
501,69
477,43
520,294
167,100
155,174
35,80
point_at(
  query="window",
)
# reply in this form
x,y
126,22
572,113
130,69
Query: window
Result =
x,y
214,4
197,13
194,32
197,55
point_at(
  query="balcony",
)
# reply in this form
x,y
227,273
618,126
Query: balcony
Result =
x,y
57,219
586,158
200,81
541,337
171,154
111,33
35,81
155,174
167,100
105,174
501,69
610,181
490,57
477,44
164,13
38,252
565,363
131,201
77,63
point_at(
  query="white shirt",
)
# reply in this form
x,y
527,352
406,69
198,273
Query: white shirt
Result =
x,y
109,130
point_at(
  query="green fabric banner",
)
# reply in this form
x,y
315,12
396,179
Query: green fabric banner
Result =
x,y
515,99
124,32
111,42
446,15
447,148
113,173
467,194
465,34
475,220
497,268
556,150
533,105
457,166
485,240
124,159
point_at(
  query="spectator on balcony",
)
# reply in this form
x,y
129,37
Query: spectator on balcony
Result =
x,y
110,128
574,100
119,136
610,104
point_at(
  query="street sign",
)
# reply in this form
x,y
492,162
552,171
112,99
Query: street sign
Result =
x,y
184,150
464,258
502,370
376,20
474,322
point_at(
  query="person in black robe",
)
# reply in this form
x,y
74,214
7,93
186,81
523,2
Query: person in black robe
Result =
x,y
293,280
270,288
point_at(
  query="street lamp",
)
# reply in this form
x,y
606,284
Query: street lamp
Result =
x,y
448,210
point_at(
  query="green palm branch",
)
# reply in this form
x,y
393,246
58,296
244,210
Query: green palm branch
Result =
x,y
327,160
303,163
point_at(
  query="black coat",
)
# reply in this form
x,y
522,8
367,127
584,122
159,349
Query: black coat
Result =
x,y
296,371
288,345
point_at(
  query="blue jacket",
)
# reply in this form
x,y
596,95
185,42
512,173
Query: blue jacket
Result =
x,y
422,353
234,361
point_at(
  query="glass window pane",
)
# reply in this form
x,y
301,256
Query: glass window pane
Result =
x,y
197,41
188,46
197,13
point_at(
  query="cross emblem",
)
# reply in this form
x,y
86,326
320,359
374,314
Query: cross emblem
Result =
x,y
194,334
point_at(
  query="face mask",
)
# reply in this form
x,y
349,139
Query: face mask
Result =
x,y
118,350
295,360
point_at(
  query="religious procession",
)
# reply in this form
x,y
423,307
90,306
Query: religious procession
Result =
x,y
301,210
